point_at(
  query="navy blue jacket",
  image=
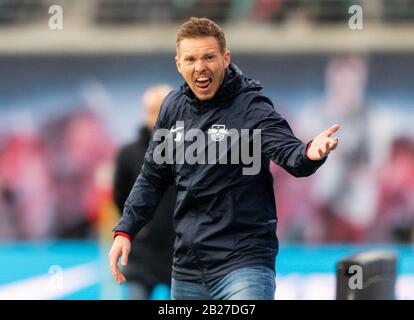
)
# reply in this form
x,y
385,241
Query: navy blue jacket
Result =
x,y
223,219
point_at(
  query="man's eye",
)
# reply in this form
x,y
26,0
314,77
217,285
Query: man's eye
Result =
x,y
190,60
209,58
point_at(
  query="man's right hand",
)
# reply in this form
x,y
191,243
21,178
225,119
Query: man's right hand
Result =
x,y
120,247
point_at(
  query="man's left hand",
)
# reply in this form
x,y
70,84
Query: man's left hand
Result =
x,y
323,144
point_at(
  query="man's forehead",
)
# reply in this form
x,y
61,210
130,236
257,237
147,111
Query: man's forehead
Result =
x,y
201,45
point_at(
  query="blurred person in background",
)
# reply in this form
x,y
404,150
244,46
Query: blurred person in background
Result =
x,y
345,188
26,201
79,146
151,256
395,219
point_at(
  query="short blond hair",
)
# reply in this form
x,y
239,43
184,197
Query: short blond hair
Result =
x,y
201,27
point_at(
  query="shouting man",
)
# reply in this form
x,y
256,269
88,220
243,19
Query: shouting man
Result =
x,y
225,216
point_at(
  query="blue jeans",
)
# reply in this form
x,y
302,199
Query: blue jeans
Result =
x,y
249,283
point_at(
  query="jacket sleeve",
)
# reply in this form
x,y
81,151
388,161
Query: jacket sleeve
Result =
x,y
147,191
279,144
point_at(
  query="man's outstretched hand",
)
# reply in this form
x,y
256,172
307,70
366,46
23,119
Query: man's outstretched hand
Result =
x,y
323,144
120,247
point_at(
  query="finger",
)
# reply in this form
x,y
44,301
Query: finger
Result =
x,y
114,270
125,253
113,262
116,273
321,154
324,148
122,277
119,276
332,130
334,144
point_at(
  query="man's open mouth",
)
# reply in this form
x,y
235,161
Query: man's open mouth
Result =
x,y
203,82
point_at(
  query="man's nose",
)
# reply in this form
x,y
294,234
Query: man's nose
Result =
x,y
199,66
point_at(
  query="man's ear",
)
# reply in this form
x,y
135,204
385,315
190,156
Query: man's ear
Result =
x,y
227,59
178,64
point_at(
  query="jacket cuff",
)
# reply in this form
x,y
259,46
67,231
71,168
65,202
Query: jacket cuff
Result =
x,y
123,234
